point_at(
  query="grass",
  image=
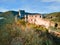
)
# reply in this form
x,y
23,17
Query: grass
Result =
x,y
13,34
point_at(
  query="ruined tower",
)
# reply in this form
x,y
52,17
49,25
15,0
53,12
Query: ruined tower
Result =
x,y
21,13
16,16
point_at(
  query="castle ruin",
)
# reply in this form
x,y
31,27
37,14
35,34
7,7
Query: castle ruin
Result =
x,y
35,18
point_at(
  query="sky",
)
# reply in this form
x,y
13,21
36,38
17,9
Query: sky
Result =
x,y
33,6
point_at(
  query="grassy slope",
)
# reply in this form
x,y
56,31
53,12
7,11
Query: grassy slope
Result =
x,y
9,16
54,16
11,33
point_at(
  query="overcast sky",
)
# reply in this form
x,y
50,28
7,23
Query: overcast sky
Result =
x,y
37,6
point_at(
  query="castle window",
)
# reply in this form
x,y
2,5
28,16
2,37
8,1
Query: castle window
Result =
x,y
35,16
56,24
35,20
32,15
40,16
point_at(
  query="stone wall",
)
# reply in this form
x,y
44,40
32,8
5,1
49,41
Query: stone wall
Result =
x,y
39,20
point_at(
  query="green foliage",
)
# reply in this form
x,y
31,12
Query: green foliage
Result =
x,y
9,16
54,29
41,28
32,26
21,22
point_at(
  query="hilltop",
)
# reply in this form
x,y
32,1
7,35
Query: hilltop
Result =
x,y
8,16
5,14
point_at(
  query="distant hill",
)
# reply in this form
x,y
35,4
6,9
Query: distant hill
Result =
x,y
54,16
31,13
1,12
9,16
4,14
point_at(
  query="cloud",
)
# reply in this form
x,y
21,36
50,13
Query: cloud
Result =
x,y
8,1
50,0
55,8
3,9
52,8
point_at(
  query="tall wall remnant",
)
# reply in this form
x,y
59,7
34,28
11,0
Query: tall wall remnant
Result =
x,y
21,13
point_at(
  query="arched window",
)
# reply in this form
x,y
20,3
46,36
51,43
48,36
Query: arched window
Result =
x,y
56,24
36,16
40,16
31,19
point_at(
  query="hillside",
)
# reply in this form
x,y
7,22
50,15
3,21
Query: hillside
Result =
x,y
9,16
54,16
5,14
